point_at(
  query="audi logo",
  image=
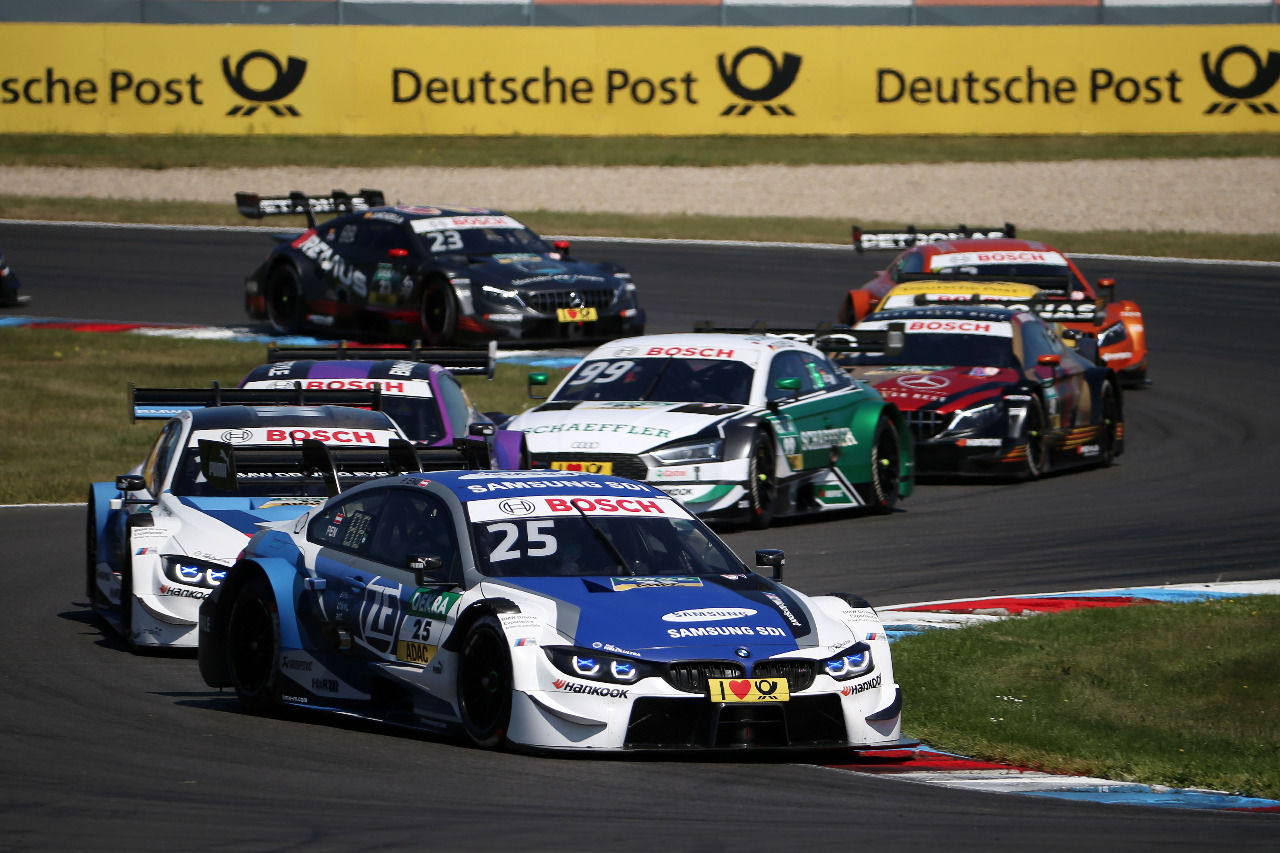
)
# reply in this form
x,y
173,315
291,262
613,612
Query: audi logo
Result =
x,y
585,445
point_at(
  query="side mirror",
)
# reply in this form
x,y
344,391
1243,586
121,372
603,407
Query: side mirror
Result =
x,y
397,253
537,380
561,246
130,483
773,559
481,430
424,566
789,383
1108,284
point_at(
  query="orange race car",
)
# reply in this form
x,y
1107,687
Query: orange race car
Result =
x,y
997,255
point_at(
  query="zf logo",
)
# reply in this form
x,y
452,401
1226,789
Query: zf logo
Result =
x,y
285,81
1264,77
780,79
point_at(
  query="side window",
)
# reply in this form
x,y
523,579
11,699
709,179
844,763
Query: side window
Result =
x,y
456,403
346,236
1037,340
908,262
161,455
379,238
788,365
348,525
824,374
413,524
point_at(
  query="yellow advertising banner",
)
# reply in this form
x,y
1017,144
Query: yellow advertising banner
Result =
x,y
606,81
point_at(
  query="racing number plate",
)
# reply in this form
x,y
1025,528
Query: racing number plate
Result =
x,y
749,689
577,315
586,467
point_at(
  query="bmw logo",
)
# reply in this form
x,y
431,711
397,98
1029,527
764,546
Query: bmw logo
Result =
x,y
742,652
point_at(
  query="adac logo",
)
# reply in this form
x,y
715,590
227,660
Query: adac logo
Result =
x,y
286,80
1264,77
781,76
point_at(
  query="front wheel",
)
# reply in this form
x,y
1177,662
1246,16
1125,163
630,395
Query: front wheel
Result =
x,y
253,646
881,494
1110,426
439,312
1035,431
485,683
762,485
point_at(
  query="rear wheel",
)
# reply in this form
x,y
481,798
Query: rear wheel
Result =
x,y
881,494
284,300
253,646
439,312
1035,431
762,484
485,683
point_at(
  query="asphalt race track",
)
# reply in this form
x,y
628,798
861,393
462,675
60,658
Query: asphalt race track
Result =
x,y
109,750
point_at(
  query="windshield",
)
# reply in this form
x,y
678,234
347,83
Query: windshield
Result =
x,y
667,380
483,241
599,545
419,417
944,349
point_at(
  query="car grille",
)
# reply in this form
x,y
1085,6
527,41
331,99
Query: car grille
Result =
x,y
546,301
798,673
926,424
676,723
624,465
692,676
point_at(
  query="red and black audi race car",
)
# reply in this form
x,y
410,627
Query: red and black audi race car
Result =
x,y
990,390
996,255
440,274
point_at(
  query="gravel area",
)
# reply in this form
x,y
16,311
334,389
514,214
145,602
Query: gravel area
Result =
x,y
1215,195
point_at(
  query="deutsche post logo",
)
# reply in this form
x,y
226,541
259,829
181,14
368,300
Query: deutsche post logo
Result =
x,y
781,76
286,80
1264,77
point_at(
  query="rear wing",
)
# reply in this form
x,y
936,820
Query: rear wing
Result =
x,y
1050,307
473,361
256,206
164,403
864,241
826,337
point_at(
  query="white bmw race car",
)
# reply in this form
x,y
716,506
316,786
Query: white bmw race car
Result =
x,y
746,426
544,610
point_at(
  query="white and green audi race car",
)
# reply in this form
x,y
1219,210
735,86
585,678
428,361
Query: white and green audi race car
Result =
x,y
746,427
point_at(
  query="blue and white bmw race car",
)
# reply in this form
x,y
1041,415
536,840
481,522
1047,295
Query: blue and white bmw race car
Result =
x,y
543,610
162,536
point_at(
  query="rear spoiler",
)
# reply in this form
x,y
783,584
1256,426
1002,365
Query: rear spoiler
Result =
x,y
862,241
222,463
256,206
1050,308
826,337
474,361
163,403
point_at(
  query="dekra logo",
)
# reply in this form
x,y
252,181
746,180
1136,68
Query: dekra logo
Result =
x,y
781,76
286,81
1264,77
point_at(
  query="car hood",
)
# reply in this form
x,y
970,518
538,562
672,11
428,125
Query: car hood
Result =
x,y
912,387
209,518
540,272
661,618
615,427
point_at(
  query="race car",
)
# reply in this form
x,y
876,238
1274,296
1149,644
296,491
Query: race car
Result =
x,y
544,611
1118,325
442,274
9,287
744,427
991,391
160,537
418,388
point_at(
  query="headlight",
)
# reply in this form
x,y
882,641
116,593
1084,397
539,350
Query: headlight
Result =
x,y
850,663
693,451
975,418
595,666
1113,334
192,572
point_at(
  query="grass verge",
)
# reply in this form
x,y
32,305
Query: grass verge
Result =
x,y
66,402
1184,695
1255,247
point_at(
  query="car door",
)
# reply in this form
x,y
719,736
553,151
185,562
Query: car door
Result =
x,y
381,253
814,419
1062,385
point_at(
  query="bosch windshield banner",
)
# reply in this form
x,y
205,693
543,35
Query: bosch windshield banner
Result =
x,y
606,81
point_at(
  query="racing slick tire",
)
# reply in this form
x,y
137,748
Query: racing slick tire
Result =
x,y
284,300
485,683
253,646
762,484
1034,429
1110,424
880,495
438,312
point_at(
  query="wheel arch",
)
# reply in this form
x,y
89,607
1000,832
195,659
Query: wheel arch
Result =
x,y
468,617
865,420
215,614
